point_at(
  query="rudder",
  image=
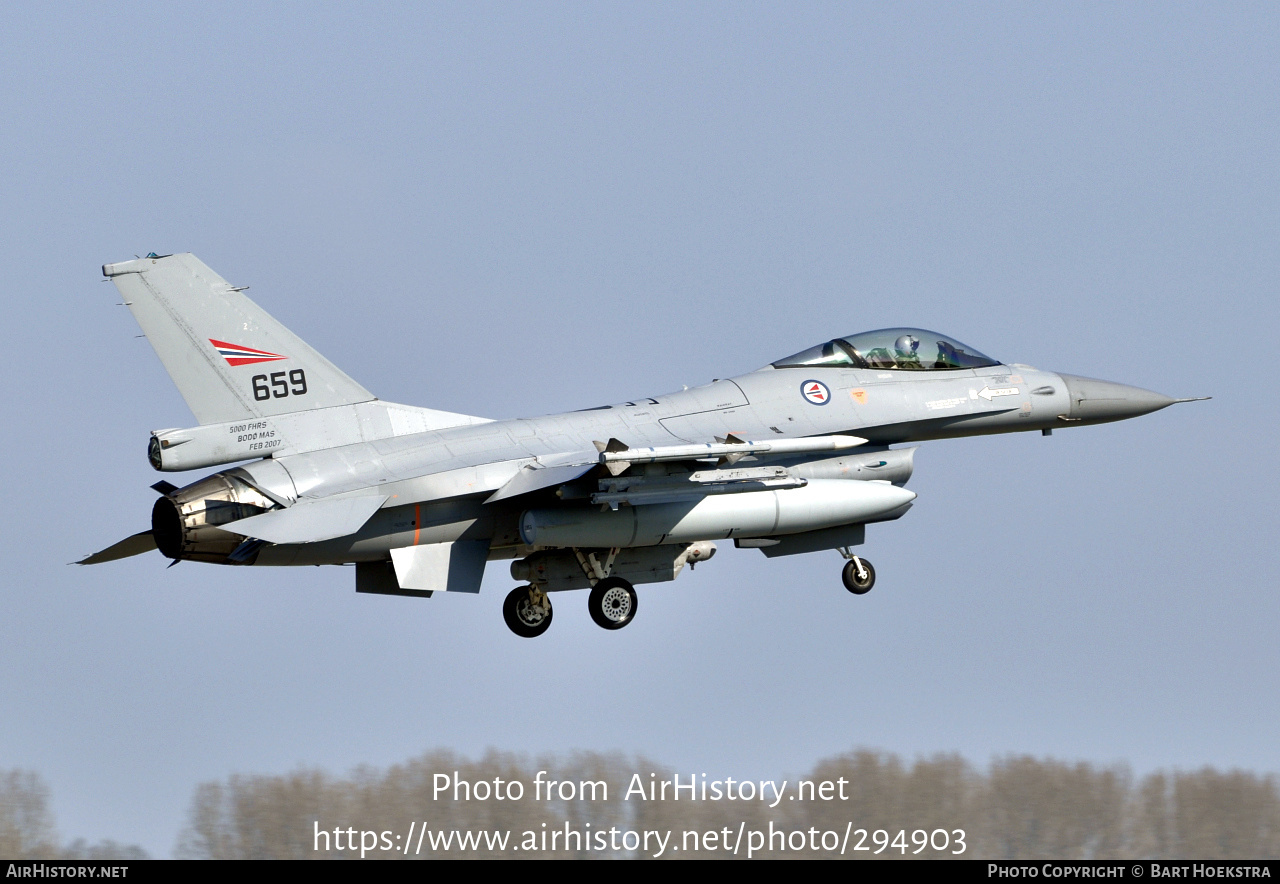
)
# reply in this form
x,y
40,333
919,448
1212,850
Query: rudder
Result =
x,y
229,358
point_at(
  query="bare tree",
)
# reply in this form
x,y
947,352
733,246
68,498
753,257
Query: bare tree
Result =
x,y
1226,815
81,849
1053,810
26,823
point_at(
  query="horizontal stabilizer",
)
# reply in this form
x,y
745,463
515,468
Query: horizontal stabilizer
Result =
x,y
310,522
536,479
143,541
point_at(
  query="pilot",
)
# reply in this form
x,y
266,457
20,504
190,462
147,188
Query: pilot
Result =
x,y
905,351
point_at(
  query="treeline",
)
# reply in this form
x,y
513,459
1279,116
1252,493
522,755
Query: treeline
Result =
x,y
1018,808
27,829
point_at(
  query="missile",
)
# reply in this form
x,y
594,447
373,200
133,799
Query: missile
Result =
x,y
617,456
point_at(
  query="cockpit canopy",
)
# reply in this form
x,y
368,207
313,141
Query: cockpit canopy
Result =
x,y
900,349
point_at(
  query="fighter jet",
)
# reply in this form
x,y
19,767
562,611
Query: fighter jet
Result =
x,y
796,457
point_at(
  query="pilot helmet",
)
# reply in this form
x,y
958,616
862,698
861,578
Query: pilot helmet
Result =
x,y
907,345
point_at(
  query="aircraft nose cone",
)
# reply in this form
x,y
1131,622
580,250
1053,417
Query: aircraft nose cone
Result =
x,y
1100,401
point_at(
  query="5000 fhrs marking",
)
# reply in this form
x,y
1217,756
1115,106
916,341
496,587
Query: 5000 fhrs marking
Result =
x,y
279,387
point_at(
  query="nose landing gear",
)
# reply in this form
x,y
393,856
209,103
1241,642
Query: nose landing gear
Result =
x,y
858,575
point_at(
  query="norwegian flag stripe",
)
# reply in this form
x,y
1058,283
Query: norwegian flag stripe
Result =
x,y
238,355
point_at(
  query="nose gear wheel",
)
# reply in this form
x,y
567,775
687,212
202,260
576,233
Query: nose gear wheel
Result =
x,y
858,575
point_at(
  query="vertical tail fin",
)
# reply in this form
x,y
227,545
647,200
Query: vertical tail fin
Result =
x,y
229,358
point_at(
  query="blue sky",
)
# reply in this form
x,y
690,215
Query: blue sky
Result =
x,y
512,210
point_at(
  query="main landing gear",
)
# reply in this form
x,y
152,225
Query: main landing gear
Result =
x,y
612,603
527,611
858,575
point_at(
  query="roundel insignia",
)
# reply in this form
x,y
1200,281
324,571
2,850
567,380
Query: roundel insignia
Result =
x,y
815,392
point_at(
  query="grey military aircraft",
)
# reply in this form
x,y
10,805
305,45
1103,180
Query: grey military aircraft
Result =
x,y
796,457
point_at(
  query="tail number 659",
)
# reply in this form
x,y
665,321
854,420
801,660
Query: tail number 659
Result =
x,y
279,384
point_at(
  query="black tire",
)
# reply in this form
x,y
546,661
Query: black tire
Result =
x,y
850,577
612,603
522,617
